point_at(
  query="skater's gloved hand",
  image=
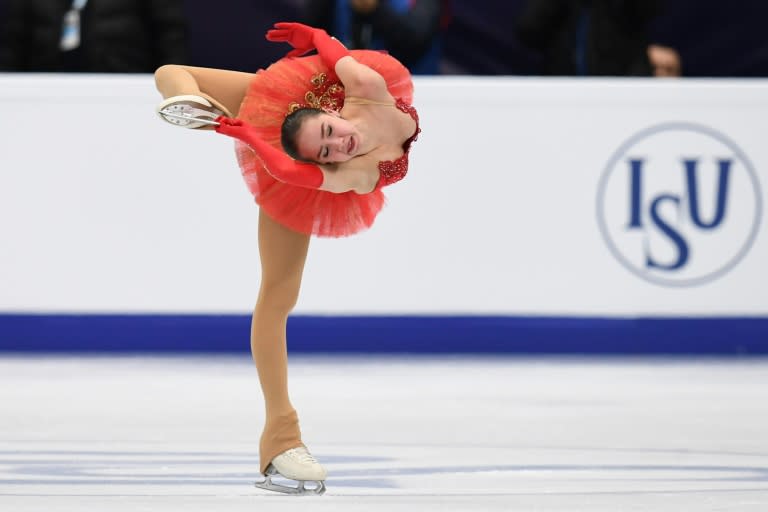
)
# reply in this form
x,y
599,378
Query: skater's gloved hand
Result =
x,y
237,129
281,166
230,126
303,38
298,35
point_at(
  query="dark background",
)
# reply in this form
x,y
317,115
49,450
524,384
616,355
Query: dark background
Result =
x,y
717,38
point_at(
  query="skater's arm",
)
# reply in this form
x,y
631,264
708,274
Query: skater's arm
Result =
x,y
360,174
358,79
361,81
344,178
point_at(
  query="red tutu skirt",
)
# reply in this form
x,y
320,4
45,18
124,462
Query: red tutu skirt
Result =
x,y
306,82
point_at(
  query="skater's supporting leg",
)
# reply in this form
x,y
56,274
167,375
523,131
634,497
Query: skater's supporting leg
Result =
x,y
283,253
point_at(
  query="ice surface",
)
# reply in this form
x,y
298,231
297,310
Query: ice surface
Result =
x,y
397,434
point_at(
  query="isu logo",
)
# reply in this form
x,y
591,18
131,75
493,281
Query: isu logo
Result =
x,y
679,204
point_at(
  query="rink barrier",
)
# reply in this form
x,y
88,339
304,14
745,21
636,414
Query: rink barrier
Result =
x,y
603,200
136,333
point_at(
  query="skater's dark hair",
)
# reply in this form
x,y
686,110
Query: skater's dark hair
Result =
x,y
290,130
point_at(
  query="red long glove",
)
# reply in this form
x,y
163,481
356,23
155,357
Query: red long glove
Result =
x,y
278,164
304,38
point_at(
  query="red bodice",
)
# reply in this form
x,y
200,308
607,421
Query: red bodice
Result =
x,y
392,171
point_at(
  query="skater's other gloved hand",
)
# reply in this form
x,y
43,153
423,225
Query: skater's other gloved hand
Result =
x,y
230,126
298,35
303,38
237,129
281,166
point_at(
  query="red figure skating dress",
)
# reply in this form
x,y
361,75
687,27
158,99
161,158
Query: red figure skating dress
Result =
x,y
306,82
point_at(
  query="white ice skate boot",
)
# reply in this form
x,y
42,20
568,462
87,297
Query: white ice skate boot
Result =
x,y
295,464
190,111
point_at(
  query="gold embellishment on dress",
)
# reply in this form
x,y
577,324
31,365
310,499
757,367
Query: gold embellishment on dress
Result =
x,y
318,79
324,94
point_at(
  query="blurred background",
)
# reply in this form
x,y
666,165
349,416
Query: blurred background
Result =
x,y
491,37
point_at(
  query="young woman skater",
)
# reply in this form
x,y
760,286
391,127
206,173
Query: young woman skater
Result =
x,y
346,120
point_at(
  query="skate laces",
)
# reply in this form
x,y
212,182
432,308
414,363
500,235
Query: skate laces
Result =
x,y
302,455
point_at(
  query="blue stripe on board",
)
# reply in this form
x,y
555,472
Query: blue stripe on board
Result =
x,y
389,334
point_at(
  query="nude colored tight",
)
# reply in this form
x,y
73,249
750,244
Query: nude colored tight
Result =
x,y
282,254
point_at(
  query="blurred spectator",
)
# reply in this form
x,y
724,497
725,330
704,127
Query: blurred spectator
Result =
x,y
665,61
121,36
596,37
410,30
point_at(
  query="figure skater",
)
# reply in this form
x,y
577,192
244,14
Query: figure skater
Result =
x,y
317,139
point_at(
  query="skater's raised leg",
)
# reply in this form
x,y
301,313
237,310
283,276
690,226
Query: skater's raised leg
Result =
x,y
195,97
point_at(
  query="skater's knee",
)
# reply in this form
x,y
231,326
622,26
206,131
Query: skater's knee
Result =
x,y
279,297
171,68
166,77
164,70
277,304
171,71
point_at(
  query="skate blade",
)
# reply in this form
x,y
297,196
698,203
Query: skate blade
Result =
x,y
300,490
186,119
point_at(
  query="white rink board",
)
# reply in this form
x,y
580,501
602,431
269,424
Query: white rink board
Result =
x,y
106,209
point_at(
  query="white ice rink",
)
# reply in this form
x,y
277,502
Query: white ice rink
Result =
x,y
461,434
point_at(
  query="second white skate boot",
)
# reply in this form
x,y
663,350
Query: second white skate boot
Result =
x,y
299,465
190,111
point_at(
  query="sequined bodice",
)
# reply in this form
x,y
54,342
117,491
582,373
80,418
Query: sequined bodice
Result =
x,y
392,171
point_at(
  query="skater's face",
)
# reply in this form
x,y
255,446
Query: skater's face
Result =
x,y
327,138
